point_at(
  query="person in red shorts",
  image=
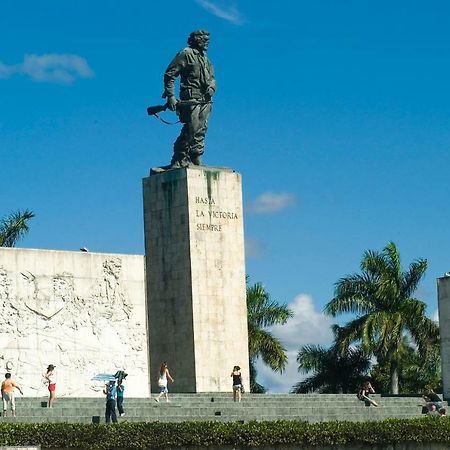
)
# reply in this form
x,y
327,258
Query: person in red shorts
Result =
x,y
50,379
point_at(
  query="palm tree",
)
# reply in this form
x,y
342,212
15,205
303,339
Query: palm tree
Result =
x,y
415,375
334,372
381,298
262,313
13,227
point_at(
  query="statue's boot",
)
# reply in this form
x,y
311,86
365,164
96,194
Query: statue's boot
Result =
x,y
196,160
174,164
179,163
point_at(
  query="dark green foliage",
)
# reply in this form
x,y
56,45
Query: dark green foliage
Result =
x,y
127,436
333,371
14,227
415,374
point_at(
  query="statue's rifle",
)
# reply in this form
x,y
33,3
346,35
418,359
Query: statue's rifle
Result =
x,y
155,110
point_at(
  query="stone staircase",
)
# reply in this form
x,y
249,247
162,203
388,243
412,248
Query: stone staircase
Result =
x,y
220,407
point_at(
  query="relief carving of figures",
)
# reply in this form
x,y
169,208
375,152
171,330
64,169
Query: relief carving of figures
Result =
x,y
9,313
42,300
53,317
74,316
108,302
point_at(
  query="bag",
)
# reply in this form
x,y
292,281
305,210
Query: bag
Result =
x,y
242,389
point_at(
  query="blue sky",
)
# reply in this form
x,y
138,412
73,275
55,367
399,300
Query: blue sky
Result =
x,y
335,113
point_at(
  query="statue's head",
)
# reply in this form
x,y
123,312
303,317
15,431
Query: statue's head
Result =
x,y
199,39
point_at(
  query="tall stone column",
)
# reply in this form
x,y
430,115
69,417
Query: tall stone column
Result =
x,y
195,271
444,327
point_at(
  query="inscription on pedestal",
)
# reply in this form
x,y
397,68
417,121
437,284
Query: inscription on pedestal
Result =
x,y
217,214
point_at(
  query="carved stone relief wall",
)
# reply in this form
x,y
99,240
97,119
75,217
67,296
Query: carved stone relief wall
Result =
x,y
82,312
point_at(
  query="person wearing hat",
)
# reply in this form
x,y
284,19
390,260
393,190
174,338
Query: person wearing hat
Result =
x,y
50,380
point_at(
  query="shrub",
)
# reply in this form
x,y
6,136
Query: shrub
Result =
x,y
127,436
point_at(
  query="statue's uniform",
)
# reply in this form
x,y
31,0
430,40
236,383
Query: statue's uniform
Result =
x,y
196,76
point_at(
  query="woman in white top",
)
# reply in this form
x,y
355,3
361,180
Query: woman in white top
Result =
x,y
50,380
163,376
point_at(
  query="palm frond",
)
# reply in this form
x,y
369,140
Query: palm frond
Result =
x,y
353,294
373,263
14,227
271,351
350,333
333,371
262,311
412,277
393,262
311,357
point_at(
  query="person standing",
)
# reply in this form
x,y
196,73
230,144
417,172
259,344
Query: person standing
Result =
x,y
197,86
120,390
111,394
237,383
8,386
163,377
50,379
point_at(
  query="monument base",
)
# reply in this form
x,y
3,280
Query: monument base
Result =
x,y
196,292
444,327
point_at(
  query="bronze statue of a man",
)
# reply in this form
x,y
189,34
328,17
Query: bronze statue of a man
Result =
x,y
197,86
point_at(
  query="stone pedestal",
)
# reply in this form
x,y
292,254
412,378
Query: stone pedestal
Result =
x,y
195,269
444,326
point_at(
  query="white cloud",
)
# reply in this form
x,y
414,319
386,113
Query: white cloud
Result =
x,y
223,9
5,71
270,202
52,67
308,326
253,248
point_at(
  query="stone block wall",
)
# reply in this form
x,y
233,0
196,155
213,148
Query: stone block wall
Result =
x,y
444,326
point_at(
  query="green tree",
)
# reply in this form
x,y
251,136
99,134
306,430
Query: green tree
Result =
x,y
13,227
382,299
262,312
414,375
334,372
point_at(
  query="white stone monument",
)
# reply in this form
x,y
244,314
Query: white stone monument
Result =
x,y
196,293
83,312
444,328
